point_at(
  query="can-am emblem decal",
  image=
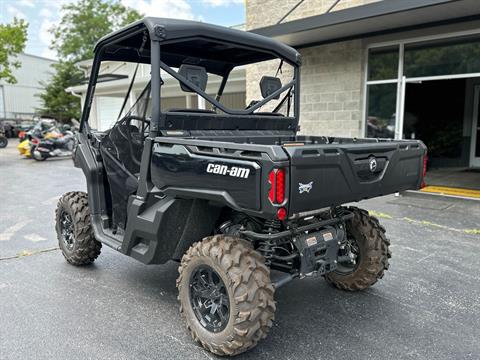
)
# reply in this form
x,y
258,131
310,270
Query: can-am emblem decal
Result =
x,y
373,164
225,170
305,187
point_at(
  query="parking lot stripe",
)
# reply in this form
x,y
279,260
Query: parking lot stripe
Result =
x,y
452,191
8,233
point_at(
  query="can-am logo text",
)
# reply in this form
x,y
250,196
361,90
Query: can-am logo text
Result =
x,y
233,171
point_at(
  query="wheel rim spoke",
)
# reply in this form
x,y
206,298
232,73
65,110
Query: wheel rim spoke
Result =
x,y
209,298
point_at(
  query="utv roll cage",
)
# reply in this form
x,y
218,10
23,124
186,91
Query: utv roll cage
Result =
x,y
170,43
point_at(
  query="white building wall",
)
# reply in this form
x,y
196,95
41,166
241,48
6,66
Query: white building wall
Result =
x,y
21,99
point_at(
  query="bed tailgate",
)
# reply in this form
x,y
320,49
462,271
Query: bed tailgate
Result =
x,y
334,174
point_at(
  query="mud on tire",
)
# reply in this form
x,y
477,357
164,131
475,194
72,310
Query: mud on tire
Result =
x,y
374,253
74,231
249,289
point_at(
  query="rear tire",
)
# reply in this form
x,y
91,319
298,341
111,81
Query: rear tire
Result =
x,y
74,230
245,282
3,142
370,239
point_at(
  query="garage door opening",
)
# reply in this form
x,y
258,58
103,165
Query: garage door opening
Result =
x,y
441,113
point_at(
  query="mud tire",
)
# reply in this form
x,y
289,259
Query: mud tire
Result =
x,y
374,253
250,292
85,248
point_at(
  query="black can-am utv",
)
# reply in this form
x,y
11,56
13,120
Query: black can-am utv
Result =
x,y
231,192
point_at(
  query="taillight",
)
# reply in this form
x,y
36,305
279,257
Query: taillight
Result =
x,y
276,193
424,175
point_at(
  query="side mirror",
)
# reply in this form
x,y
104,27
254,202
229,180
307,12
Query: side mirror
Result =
x,y
197,75
270,84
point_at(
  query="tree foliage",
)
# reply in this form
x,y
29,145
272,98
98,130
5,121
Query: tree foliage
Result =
x,y
57,103
83,23
12,42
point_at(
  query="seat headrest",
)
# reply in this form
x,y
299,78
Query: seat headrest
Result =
x,y
197,75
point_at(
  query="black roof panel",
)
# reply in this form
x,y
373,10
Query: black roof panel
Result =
x,y
173,30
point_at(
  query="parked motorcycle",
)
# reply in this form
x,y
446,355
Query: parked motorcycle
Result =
x,y
53,147
44,129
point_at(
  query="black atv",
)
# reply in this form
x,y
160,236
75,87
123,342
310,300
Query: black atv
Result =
x,y
3,137
235,195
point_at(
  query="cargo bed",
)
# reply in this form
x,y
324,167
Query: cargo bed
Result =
x,y
320,171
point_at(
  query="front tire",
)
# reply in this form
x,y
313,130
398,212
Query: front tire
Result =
x,y
3,142
231,313
74,230
367,237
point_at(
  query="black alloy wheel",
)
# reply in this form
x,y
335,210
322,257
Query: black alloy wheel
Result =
x,y
209,298
67,228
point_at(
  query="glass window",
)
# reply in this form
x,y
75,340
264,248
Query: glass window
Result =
x,y
444,57
111,89
383,63
382,101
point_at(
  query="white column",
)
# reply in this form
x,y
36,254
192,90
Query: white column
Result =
x,y
401,112
201,102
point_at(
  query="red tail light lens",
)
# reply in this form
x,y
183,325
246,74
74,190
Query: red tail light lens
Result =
x,y
280,186
276,179
281,214
271,180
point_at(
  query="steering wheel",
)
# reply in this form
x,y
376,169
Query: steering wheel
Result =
x,y
128,135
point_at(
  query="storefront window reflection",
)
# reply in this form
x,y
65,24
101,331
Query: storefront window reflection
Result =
x,y
383,63
445,57
381,110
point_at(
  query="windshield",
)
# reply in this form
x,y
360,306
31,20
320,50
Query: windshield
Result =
x,y
264,88
196,76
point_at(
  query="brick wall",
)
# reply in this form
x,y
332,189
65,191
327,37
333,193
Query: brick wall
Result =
x,y
262,13
331,75
331,89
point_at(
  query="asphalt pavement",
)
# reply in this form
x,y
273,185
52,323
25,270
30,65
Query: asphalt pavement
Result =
x,y
426,307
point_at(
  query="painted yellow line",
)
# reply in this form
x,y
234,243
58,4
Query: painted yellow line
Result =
x,y
452,191
25,253
423,222
379,214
